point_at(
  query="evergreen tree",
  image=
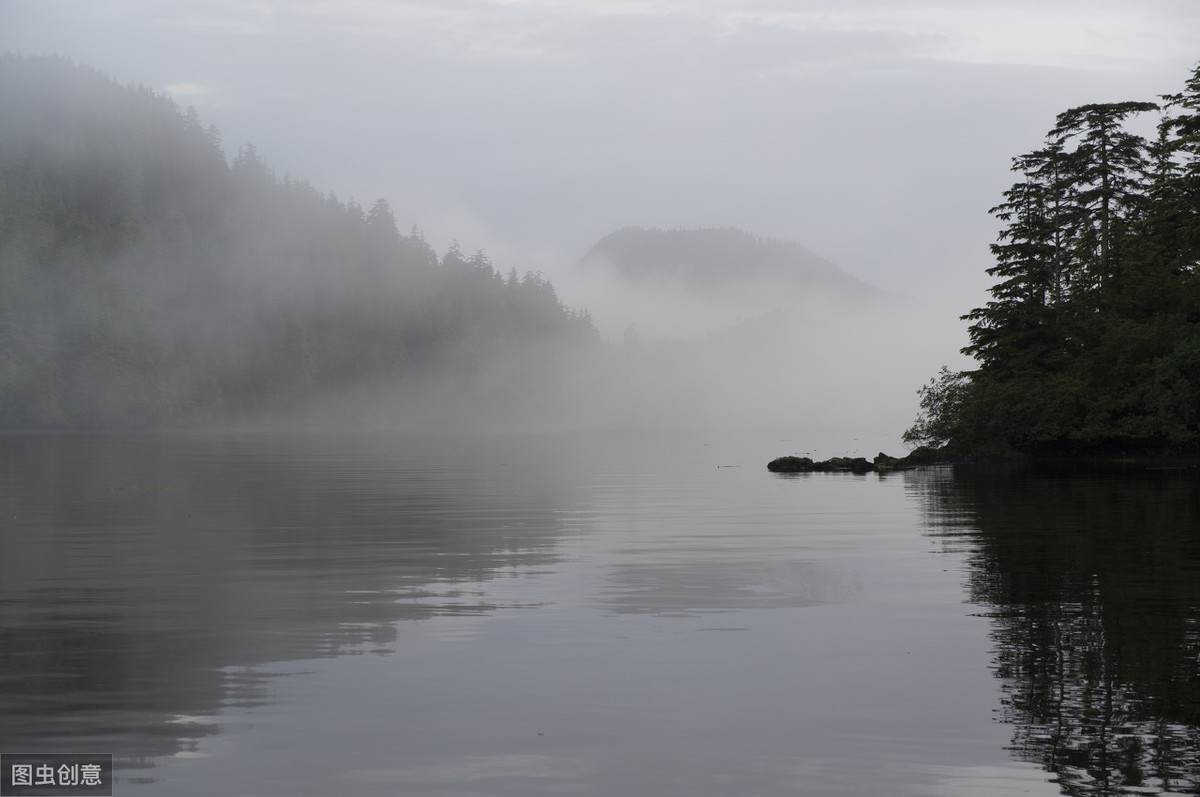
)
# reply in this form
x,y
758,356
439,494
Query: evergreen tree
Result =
x,y
1034,264
1109,169
1092,336
146,281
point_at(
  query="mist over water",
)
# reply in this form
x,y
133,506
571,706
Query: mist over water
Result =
x,y
721,330
414,520
520,614
150,283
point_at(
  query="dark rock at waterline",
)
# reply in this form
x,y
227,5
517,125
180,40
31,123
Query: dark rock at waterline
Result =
x,y
852,464
790,465
834,464
880,464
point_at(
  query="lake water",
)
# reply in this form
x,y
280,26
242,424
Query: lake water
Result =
x,y
317,614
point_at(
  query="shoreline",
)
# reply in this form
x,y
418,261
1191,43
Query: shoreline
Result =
x,y
1142,457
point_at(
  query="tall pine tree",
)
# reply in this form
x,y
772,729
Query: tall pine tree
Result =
x,y
1091,338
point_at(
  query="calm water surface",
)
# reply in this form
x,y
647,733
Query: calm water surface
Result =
x,y
524,615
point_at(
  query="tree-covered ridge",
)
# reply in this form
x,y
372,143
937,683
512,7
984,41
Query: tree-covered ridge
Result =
x,y
716,260
1092,337
146,280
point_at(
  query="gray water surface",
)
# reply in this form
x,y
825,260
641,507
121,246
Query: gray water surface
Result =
x,y
597,615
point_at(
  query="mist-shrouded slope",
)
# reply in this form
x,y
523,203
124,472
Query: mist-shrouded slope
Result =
x,y
679,284
729,330
145,280
714,260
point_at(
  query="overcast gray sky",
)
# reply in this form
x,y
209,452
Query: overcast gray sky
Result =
x,y
875,133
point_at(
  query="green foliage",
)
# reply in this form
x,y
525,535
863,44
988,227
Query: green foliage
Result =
x,y
941,407
146,280
1090,339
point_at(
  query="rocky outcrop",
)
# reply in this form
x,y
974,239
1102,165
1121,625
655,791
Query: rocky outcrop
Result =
x,y
806,465
882,463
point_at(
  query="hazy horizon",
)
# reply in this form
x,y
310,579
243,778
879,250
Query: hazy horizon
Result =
x,y
875,134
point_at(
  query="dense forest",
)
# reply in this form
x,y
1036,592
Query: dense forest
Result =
x,y
1091,340
145,280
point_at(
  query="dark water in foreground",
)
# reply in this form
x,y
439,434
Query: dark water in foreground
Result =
x,y
318,615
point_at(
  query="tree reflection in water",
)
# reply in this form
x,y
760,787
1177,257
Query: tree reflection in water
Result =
x,y
1091,577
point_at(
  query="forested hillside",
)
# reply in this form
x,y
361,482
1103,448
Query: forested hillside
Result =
x,y
1091,341
144,280
718,261
686,284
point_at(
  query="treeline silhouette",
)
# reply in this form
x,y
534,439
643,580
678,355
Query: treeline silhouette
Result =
x,y
1092,337
145,280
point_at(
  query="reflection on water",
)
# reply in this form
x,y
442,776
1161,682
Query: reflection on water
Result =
x,y
699,586
304,615
1092,584
146,580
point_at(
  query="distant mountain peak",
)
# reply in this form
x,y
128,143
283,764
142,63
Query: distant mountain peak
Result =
x,y
718,259
684,283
